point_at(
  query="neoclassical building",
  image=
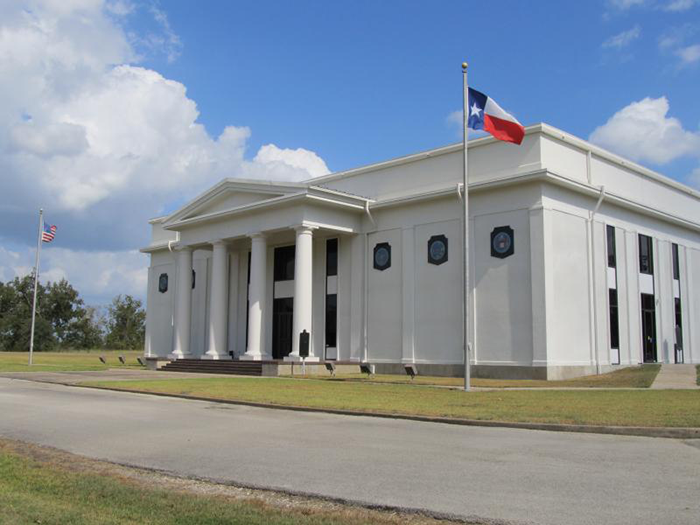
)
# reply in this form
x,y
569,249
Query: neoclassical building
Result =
x,y
581,261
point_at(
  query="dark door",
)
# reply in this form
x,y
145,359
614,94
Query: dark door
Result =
x,y
648,328
282,314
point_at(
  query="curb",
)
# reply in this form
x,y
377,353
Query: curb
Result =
x,y
656,432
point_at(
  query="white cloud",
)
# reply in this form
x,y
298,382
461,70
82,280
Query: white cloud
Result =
x,y
101,143
276,159
623,39
679,5
624,5
102,275
694,179
689,55
642,131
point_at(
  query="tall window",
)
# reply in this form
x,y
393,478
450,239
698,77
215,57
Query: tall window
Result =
x,y
284,263
646,255
612,251
331,298
676,265
614,323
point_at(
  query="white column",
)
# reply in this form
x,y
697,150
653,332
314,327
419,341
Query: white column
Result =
x,y
303,276
218,304
183,306
256,309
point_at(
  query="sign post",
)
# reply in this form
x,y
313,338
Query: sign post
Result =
x,y
303,349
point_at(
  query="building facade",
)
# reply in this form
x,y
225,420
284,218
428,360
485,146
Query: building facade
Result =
x,y
581,262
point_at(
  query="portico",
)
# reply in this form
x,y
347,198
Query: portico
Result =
x,y
227,273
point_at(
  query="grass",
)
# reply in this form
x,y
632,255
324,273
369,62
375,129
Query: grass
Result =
x,y
654,408
42,486
67,361
630,377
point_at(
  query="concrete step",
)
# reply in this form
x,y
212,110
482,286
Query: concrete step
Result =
x,y
214,367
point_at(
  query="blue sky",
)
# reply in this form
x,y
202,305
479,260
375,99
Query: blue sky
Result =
x,y
368,80
116,111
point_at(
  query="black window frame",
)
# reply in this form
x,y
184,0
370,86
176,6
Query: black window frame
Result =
x,y
331,328
614,319
676,262
646,254
284,261
331,257
612,246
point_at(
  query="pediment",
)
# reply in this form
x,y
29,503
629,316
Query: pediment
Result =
x,y
229,199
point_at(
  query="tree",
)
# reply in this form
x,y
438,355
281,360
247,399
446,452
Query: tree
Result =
x,y
16,316
126,323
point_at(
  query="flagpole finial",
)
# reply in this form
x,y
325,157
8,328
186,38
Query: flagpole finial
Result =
x,y
465,65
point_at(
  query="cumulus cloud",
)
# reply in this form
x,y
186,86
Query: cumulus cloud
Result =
x,y
689,55
679,5
624,39
276,159
643,131
102,143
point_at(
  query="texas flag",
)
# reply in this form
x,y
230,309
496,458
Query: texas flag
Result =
x,y
485,114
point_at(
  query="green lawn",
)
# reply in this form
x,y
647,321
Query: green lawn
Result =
x,y
630,377
656,408
67,361
38,486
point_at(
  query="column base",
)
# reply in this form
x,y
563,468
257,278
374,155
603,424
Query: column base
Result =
x,y
175,357
253,357
297,359
216,357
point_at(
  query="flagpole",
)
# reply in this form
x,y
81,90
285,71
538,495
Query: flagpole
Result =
x,y
465,265
36,282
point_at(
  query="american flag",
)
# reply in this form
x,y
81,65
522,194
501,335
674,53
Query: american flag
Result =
x,y
49,233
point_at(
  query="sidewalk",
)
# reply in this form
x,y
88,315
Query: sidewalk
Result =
x,y
676,377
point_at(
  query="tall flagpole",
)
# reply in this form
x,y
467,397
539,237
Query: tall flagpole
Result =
x,y
465,195
36,282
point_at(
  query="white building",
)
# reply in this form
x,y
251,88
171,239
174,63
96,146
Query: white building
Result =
x,y
581,261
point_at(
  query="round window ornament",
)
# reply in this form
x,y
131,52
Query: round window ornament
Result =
x,y
437,249
163,283
382,256
502,242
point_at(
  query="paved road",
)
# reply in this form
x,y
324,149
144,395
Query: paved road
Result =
x,y
491,473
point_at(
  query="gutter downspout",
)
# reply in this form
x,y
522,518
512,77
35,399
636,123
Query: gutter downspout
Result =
x,y
366,285
593,311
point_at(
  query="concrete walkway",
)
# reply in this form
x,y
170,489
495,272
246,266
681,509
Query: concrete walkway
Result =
x,y
676,377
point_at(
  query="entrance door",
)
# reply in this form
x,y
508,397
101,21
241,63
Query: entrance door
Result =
x,y
648,328
282,314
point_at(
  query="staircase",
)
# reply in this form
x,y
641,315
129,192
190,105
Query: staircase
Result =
x,y
202,366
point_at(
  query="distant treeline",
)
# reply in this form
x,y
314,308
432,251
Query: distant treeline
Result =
x,y
63,321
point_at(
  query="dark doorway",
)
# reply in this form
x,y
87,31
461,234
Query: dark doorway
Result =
x,y
282,316
648,328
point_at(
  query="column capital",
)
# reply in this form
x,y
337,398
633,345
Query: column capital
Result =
x,y
304,228
257,235
182,248
219,242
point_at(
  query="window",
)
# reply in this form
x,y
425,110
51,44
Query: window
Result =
x,y
676,265
331,298
437,249
679,322
331,257
284,263
163,283
331,319
194,278
646,255
382,256
612,254
614,322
